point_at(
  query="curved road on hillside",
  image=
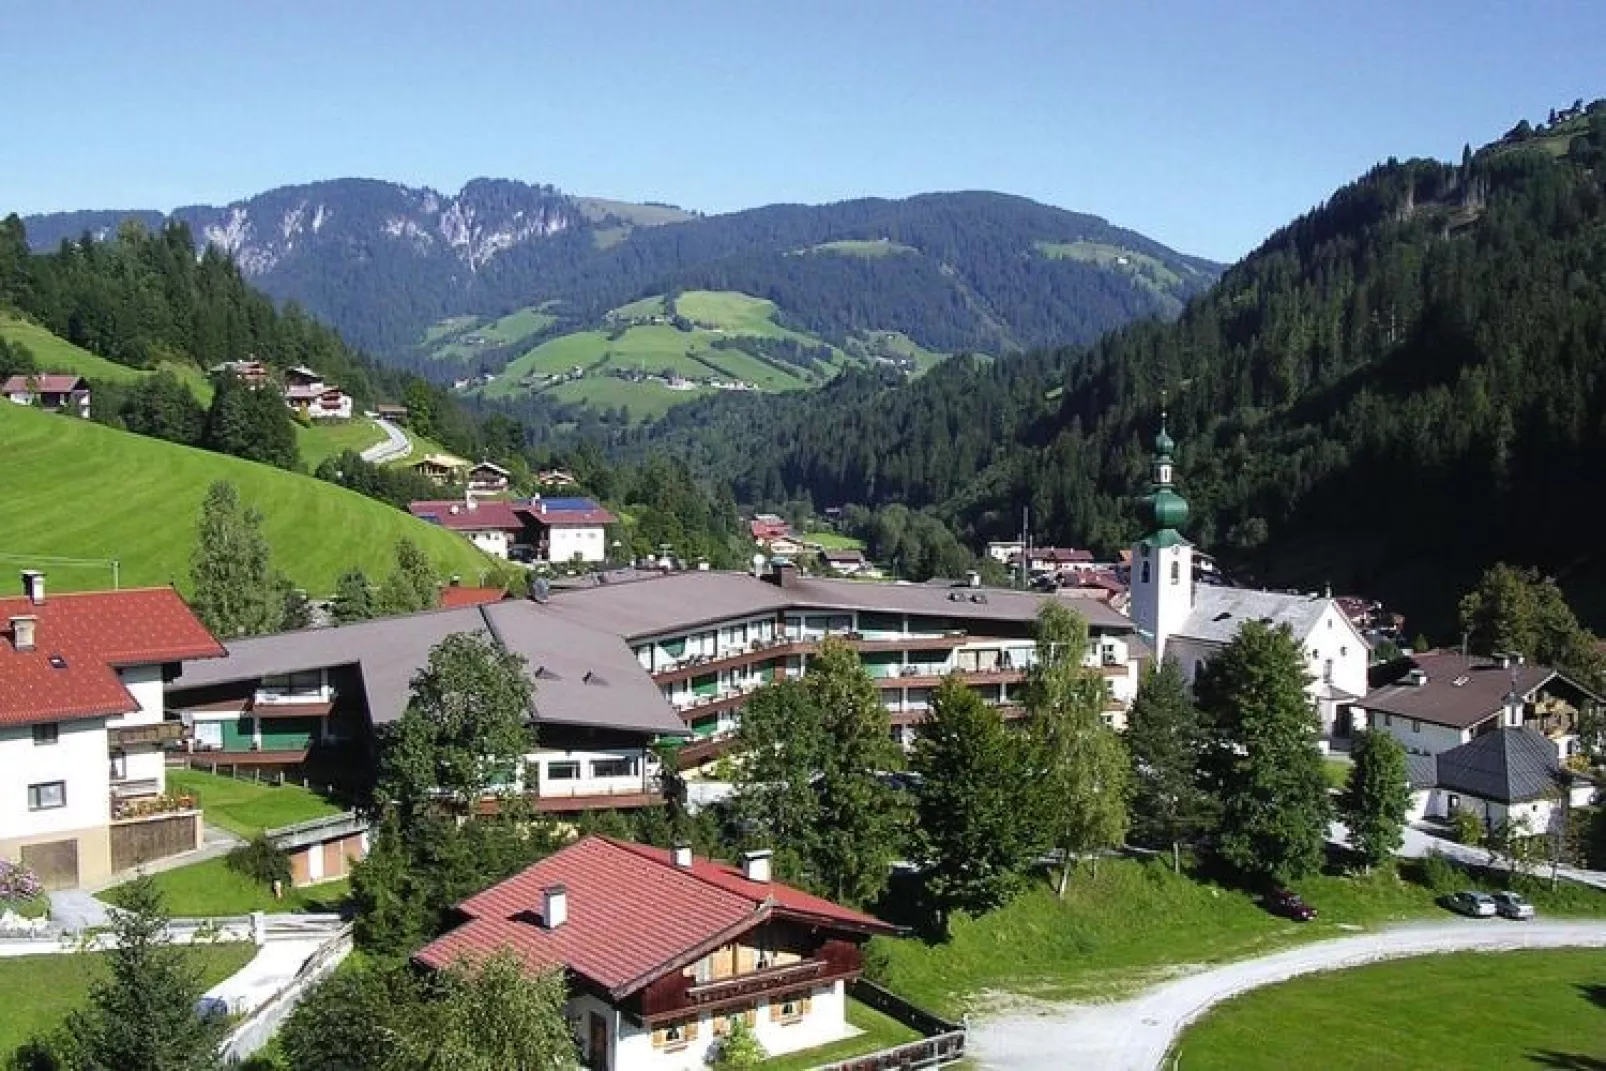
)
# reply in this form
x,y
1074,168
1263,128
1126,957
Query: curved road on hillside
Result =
x,y
396,444
1134,1035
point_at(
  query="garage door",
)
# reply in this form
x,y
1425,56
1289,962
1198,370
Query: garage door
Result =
x,y
56,862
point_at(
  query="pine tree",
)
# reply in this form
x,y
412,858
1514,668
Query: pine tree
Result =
x,y
412,586
251,422
974,819
1376,797
236,590
1082,769
1263,760
354,598
141,1015
1166,739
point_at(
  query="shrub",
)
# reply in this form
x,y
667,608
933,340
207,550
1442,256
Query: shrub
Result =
x,y
260,861
739,1049
1438,873
1467,828
18,883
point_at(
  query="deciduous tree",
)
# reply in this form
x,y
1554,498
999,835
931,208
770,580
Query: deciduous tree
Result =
x,y
237,592
1082,771
1376,797
1265,764
975,822
354,598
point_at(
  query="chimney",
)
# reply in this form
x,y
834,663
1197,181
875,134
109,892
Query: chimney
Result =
x,y
756,866
554,906
783,574
680,855
24,628
33,586
973,578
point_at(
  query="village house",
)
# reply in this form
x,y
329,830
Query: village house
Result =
x,y
442,469
768,527
306,392
848,562
488,479
1191,621
82,729
1435,702
251,372
495,527
555,478
1509,773
663,951
555,530
396,414
317,698
1058,559
1006,551
58,393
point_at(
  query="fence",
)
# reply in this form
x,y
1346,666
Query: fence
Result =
x,y
246,771
257,1028
943,1044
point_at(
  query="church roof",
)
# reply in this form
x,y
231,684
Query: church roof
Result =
x,y
1219,612
1506,765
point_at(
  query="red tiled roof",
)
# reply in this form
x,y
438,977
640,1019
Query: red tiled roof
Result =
x,y
93,633
484,515
554,518
455,596
633,915
46,384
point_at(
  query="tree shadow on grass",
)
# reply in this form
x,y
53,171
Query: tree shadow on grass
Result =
x,y
1567,1061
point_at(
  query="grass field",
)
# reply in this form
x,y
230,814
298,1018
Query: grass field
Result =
x,y
1125,928
452,325
1467,1010
646,400
209,888
37,992
855,247
55,354
895,344
1336,771
644,309
879,1032
247,808
328,438
81,490
833,540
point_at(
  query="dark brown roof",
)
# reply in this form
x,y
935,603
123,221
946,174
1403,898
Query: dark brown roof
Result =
x,y
1460,691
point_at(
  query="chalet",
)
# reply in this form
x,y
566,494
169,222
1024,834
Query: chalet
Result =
x,y
396,414
486,478
1434,702
848,562
1057,559
1006,551
317,698
82,729
251,372
1510,773
1192,621
442,469
306,392
58,393
555,478
664,951
495,527
768,527
568,529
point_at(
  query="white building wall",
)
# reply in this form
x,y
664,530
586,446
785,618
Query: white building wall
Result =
x,y
78,758
564,542
146,762
588,783
1421,737
493,541
1161,590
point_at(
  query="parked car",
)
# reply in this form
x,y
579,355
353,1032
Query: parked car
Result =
x,y
1289,904
1513,906
1478,905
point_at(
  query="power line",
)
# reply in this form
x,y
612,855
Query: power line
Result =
x,y
48,559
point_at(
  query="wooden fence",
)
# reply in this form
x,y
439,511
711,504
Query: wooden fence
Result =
x,y
943,1044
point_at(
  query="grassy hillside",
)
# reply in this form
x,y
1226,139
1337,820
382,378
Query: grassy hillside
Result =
x,y
332,437
55,354
79,490
465,338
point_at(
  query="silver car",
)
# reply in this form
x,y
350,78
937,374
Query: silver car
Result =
x,y
1479,905
1512,906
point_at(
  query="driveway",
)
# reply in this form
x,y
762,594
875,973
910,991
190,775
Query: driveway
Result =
x,y
396,444
1134,1035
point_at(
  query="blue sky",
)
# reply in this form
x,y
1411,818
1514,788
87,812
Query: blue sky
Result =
x,y
1204,125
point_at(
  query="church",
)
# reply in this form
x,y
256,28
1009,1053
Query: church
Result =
x,y
1190,622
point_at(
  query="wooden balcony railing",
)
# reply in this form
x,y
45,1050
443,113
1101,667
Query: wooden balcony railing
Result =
x,y
760,981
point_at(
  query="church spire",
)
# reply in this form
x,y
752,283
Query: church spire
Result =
x,y
1168,510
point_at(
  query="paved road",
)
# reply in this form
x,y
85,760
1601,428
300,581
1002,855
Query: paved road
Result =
x,y
1134,1035
396,444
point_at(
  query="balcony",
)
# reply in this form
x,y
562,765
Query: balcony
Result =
x,y
127,809
755,982
157,733
781,646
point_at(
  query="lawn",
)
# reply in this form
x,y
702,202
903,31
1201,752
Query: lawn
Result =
x,y
644,309
561,354
646,400
37,992
855,247
246,808
1127,927
210,888
880,1032
55,354
328,438
55,464
448,344
1336,771
833,540
1467,1010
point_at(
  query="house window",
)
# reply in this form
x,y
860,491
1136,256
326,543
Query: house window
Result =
x,y
1416,726
1343,652
119,765
1452,803
1327,671
626,767
1176,571
789,1010
563,771
1388,721
675,1035
726,1023
46,733
1145,579
308,684
47,796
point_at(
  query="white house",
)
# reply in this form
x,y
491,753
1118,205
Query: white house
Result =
x,y
568,529
664,951
81,729
495,527
1507,773
59,393
1441,700
1191,622
305,390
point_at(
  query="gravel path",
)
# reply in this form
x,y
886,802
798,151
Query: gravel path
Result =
x,y
1134,1035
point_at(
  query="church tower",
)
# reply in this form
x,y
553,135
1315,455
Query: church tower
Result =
x,y
1161,584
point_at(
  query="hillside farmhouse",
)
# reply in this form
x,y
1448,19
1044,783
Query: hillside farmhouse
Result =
x,y
58,393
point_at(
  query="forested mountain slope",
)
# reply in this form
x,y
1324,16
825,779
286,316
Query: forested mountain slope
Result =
x,y
1394,390
384,262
